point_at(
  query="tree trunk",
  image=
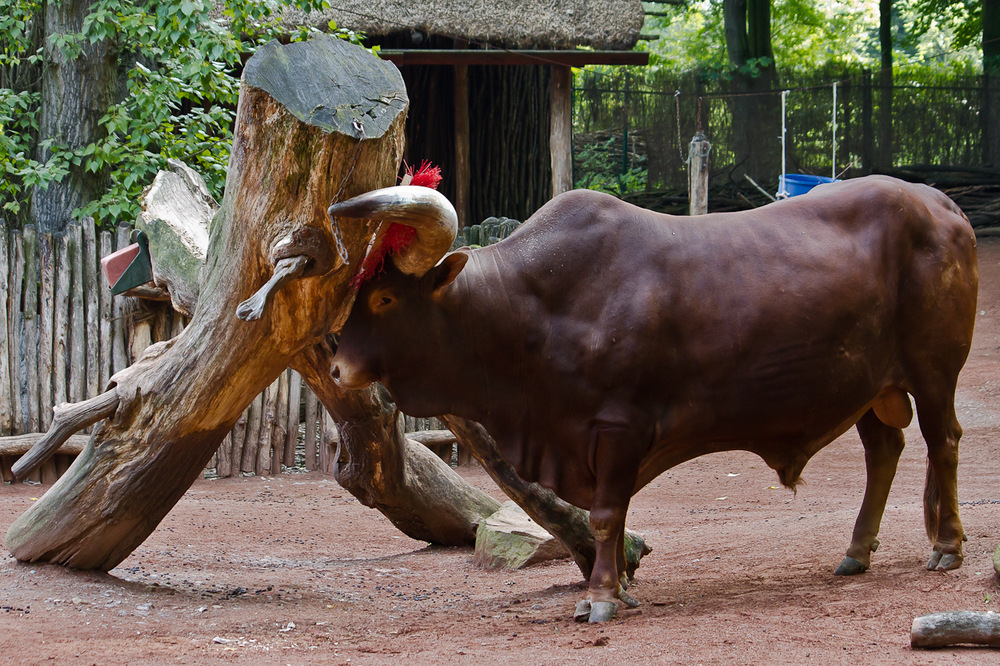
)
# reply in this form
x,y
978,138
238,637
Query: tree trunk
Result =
x,y
991,82
176,404
404,480
569,524
295,142
748,43
885,142
76,93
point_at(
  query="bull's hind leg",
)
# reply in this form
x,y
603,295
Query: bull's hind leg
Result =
x,y
941,431
883,446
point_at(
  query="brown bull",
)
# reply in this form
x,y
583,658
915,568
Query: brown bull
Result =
x,y
602,344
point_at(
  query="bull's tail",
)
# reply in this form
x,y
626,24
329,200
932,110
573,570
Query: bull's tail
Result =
x,y
932,496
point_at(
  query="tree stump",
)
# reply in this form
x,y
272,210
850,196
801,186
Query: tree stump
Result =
x,y
315,120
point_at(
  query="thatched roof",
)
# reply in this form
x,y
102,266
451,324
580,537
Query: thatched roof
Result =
x,y
536,24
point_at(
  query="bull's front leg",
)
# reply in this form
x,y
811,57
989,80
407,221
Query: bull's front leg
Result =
x,y
615,467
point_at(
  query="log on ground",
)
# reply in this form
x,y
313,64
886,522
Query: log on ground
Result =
x,y
939,630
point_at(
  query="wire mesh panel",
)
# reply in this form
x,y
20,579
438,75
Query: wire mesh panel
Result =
x,y
631,129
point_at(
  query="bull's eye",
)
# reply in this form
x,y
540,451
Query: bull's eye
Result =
x,y
379,301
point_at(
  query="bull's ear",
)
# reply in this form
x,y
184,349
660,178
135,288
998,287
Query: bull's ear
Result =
x,y
445,273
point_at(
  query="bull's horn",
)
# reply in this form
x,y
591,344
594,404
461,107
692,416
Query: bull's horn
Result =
x,y
426,210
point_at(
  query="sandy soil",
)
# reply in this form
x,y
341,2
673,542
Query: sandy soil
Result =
x,y
293,570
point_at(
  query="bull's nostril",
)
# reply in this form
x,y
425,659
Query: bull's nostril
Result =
x,y
335,372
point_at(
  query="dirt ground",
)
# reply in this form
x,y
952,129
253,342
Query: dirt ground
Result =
x,y
293,570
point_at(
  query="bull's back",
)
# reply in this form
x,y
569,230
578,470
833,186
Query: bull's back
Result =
x,y
780,323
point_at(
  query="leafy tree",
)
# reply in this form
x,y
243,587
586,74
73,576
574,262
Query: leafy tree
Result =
x,y
885,80
164,75
748,43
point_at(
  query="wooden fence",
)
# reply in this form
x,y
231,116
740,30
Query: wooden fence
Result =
x,y
64,335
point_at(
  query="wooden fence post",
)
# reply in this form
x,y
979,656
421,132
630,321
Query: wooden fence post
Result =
x,y
868,140
698,174
18,364
6,393
561,128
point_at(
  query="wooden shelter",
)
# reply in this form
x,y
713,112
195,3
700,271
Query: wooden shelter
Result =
x,y
490,86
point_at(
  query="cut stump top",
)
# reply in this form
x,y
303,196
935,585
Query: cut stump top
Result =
x,y
319,85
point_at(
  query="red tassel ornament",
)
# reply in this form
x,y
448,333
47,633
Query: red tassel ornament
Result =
x,y
398,236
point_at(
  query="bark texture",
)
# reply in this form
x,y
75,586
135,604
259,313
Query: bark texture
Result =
x,y
76,92
748,43
403,479
296,141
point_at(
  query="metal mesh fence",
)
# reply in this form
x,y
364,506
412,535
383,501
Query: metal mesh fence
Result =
x,y
631,132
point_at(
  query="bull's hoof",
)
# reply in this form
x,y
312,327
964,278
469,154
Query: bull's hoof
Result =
x,y
850,567
602,611
599,611
944,561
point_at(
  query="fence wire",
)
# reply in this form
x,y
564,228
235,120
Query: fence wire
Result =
x,y
630,133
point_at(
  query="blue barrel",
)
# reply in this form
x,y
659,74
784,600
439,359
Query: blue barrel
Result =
x,y
800,183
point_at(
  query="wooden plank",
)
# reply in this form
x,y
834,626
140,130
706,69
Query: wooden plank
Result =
x,y
294,407
495,57
92,305
248,462
60,319
104,315
279,433
59,361
267,430
77,374
239,436
6,389
30,345
561,129
462,169
141,337
62,463
321,449
18,445
178,324
224,457
15,345
328,442
309,441
119,336
161,322
46,332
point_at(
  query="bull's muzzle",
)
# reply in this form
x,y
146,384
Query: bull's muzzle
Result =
x,y
348,378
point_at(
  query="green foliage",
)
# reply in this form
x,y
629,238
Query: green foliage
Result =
x,y
963,19
806,35
179,67
599,166
687,85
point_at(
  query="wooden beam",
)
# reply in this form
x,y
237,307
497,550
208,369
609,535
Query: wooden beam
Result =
x,y
402,57
18,445
462,173
560,129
